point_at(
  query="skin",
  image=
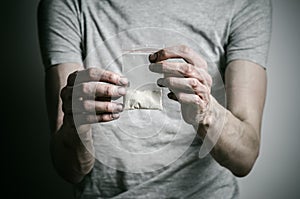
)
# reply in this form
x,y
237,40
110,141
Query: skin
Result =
x,y
237,147
245,82
70,157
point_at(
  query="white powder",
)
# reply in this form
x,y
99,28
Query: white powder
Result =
x,y
143,99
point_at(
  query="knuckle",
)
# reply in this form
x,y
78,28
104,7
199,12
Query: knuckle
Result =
x,y
193,82
107,107
112,77
92,72
86,105
187,69
85,88
108,91
104,118
197,100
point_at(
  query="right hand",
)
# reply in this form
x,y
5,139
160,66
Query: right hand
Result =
x,y
87,96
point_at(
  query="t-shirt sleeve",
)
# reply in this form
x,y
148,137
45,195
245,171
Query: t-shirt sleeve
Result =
x,y
250,32
59,32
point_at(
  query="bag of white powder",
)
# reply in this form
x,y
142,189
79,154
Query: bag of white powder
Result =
x,y
143,92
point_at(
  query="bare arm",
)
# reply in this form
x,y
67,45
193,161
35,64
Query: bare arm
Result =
x,y
70,157
67,158
238,145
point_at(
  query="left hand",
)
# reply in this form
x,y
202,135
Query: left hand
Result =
x,y
189,83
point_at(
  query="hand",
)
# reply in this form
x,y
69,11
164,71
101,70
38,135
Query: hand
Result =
x,y
189,83
87,96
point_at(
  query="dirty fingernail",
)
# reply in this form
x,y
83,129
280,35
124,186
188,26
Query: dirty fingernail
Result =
x,y
172,96
153,57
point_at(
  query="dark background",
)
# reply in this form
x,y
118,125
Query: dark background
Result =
x,y
26,169
25,157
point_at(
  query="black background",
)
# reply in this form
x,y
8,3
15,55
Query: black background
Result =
x,y
25,158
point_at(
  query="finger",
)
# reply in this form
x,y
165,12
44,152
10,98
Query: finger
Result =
x,y
170,68
181,51
96,75
191,99
91,106
187,85
66,94
92,90
93,118
178,69
102,107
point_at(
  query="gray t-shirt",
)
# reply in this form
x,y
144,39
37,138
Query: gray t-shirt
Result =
x,y
95,32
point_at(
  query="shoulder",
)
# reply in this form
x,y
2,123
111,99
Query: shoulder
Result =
x,y
48,5
243,4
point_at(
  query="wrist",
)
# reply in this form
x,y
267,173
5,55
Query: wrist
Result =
x,y
213,119
76,138
207,118
212,126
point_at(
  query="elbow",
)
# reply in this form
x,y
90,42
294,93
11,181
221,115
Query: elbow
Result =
x,y
73,175
76,177
69,165
240,173
72,171
245,166
71,179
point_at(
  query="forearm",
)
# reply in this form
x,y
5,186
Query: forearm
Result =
x,y
232,136
237,146
70,156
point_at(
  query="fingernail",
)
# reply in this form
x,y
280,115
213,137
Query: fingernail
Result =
x,y
151,67
172,96
152,57
121,91
160,82
123,80
115,115
119,107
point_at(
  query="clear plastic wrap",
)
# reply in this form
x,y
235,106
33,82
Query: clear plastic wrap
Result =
x,y
143,92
